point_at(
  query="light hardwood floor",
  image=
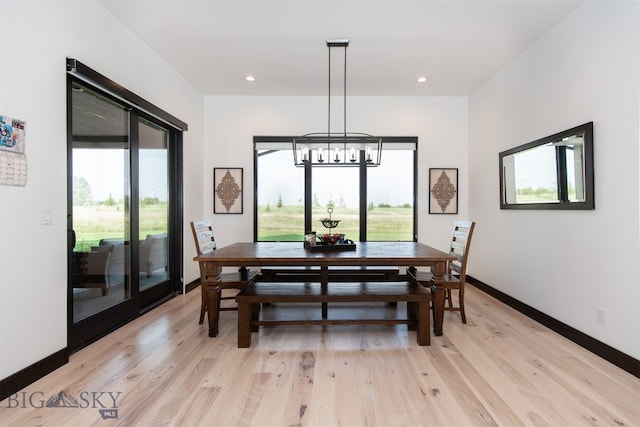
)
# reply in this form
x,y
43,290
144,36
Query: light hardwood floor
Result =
x,y
500,369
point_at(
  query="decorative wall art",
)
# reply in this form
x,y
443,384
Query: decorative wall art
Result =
x,y
227,194
443,191
13,162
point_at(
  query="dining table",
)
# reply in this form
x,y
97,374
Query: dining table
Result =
x,y
290,254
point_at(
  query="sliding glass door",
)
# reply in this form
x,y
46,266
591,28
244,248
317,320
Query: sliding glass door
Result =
x,y
122,212
101,147
153,210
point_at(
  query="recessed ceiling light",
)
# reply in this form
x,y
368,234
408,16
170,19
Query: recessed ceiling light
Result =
x,y
422,79
250,78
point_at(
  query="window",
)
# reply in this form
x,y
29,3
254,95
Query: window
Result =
x,y
372,203
339,189
279,196
391,196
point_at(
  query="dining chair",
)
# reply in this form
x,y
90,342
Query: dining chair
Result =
x,y
91,269
205,244
456,273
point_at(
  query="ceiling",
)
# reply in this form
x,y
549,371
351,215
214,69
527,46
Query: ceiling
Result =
x,y
456,44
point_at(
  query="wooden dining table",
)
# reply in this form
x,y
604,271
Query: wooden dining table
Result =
x,y
285,254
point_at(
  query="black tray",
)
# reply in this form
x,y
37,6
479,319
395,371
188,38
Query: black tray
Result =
x,y
326,247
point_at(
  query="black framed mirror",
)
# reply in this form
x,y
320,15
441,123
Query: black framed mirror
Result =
x,y
555,172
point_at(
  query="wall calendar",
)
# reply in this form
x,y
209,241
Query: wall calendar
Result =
x,y
13,161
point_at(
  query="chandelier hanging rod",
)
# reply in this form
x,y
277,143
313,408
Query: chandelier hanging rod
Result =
x,y
337,149
338,43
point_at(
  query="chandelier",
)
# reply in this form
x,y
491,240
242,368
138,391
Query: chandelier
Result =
x,y
338,148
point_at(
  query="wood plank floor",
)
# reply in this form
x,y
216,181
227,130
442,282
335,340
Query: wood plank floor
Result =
x,y
501,369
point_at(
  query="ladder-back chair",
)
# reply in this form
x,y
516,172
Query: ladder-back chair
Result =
x,y
456,270
206,243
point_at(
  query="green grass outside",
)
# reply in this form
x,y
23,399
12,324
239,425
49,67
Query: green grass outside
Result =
x,y
541,195
93,223
286,223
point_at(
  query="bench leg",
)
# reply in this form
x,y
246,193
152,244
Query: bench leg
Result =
x,y
255,316
412,315
244,324
324,281
423,333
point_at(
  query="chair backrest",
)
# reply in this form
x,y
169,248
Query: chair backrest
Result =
x,y
203,236
96,263
460,242
118,265
153,252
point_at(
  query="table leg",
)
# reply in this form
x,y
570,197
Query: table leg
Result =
x,y
438,308
213,308
438,292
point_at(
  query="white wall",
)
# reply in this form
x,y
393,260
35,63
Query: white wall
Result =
x,y
566,264
36,38
440,123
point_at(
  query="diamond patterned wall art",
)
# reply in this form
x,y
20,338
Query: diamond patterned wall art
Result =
x,y
443,191
227,190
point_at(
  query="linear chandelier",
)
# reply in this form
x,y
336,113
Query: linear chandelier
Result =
x,y
337,149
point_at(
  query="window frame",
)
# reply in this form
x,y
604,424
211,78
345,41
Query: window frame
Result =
x,y
308,193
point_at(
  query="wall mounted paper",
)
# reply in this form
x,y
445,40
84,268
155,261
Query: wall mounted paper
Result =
x,y
13,162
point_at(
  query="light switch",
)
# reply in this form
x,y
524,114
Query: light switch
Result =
x,y
47,217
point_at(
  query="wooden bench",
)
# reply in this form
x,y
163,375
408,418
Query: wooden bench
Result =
x,y
417,297
336,273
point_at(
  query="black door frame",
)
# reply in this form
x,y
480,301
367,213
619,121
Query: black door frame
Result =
x,y
80,334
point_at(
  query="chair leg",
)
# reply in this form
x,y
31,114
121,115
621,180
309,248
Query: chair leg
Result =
x,y
202,310
203,305
449,298
461,302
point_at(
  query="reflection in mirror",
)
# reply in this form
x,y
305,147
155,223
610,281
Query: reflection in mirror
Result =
x,y
555,172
